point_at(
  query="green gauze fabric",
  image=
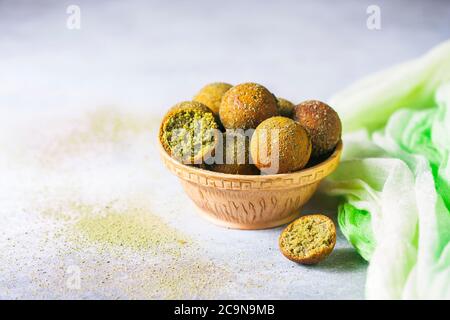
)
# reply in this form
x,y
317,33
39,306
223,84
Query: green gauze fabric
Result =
x,y
395,178
369,103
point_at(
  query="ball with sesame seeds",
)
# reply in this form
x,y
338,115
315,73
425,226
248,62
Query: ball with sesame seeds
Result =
x,y
285,107
211,95
246,105
280,145
322,124
233,156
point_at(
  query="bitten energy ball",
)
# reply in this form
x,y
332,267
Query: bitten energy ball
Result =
x,y
211,95
234,155
322,124
309,239
285,108
280,145
246,105
189,132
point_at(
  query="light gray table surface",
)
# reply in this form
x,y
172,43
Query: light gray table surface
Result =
x,y
139,58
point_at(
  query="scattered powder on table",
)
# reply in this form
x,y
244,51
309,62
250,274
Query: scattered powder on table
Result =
x,y
90,181
104,130
108,125
108,221
192,279
135,229
125,251
193,276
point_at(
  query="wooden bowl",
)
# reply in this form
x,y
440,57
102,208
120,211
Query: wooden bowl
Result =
x,y
250,202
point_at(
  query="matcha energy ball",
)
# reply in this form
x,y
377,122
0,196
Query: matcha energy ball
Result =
x,y
234,155
322,124
211,95
285,107
280,145
309,239
246,105
189,132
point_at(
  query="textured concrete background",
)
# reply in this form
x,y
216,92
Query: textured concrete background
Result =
x,y
144,56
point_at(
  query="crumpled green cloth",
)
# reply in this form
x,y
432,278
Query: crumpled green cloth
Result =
x,y
370,102
395,177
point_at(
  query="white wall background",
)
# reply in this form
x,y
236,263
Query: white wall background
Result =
x,y
152,54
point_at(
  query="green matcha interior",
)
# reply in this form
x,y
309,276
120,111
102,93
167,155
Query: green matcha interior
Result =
x,y
190,133
307,236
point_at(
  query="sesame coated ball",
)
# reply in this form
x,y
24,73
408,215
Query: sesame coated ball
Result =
x,y
211,95
322,124
246,105
280,145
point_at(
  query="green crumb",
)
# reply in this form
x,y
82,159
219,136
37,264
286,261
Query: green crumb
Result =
x,y
189,131
308,239
308,236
